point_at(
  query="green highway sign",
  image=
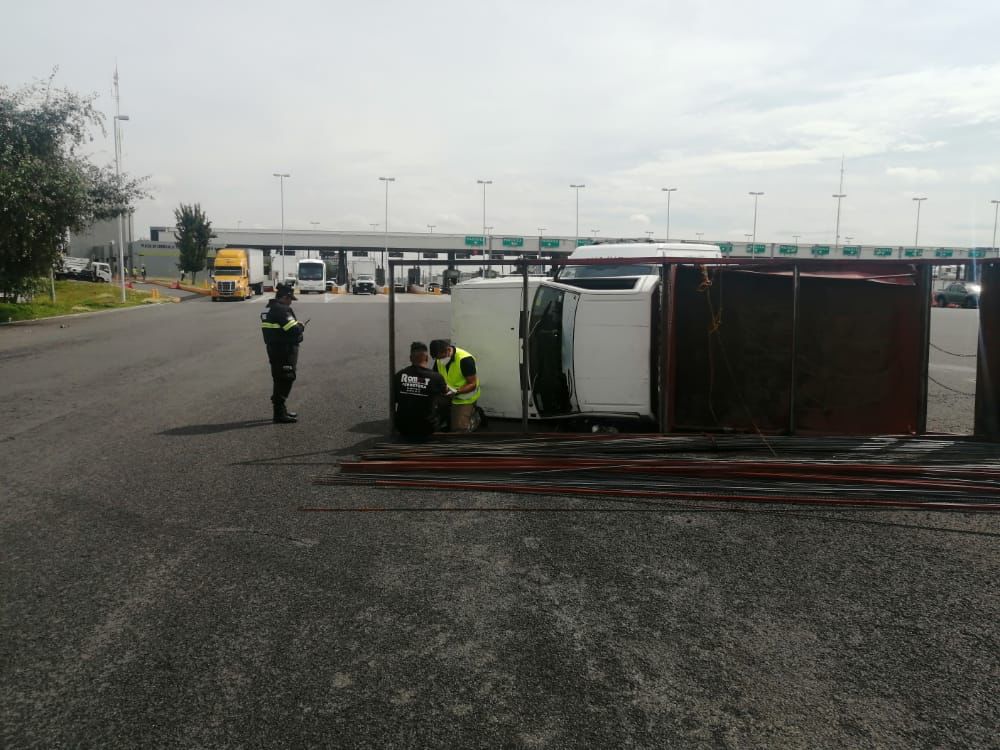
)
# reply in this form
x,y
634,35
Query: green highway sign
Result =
x,y
944,252
852,251
583,242
474,241
788,249
820,249
550,243
513,241
883,252
757,249
913,252
977,253
726,247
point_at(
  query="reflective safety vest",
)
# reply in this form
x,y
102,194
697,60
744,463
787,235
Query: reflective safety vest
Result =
x,y
455,379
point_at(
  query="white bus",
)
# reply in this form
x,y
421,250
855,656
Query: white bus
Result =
x,y
312,276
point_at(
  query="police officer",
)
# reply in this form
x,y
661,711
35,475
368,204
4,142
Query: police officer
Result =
x,y
458,368
282,335
420,393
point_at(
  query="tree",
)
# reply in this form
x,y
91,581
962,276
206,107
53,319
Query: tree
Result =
x,y
193,234
47,188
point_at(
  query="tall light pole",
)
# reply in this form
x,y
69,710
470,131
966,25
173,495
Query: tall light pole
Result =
x,y
596,231
796,238
431,227
119,117
699,235
281,179
486,242
385,227
668,191
542,229
649,233
756,196
839,195
996,212
748,236
374,226
578,188
315,224
848,239
916,233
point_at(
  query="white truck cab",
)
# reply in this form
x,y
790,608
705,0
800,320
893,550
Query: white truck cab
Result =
x,y
592,351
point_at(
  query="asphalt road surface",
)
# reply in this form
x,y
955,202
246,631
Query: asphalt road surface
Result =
x,y
162,589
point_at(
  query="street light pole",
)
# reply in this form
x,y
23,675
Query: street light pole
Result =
x,y
385,227
839,195
595,231
119,117
668,191
486,246
699,235
577,188
796,238
281,179
916,233
373,226
431,227
756,196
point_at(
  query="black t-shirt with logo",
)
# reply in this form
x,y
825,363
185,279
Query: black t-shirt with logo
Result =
x,y
420,398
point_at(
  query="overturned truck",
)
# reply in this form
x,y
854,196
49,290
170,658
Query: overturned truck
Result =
x,y
681,338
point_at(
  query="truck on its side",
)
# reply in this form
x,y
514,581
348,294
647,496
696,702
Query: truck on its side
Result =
x,y
82,269
238,273
363,276
590,330
312,276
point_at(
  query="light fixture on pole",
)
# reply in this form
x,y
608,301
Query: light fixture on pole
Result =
x,y
699,235
756,196
578,188
239,223
385,227
540,230
596,231
748,236
281,179
796,238
916,233
996,212
839,195
649,233
374,226
431,227
668,191
848,239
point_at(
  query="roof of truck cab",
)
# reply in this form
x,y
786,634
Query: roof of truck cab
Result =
x,y
500,282
647,250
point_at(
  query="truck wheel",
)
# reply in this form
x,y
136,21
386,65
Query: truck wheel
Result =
x,y
970,302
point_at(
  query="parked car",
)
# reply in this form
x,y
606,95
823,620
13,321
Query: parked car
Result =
x,y
961,293
433,287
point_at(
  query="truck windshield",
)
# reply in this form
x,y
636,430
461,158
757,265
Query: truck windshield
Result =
x,y
229,271
604,272
312,272
550,350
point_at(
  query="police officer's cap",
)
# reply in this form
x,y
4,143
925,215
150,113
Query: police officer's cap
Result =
x,y
285,290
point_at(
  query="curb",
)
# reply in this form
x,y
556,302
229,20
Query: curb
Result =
x,y
144,306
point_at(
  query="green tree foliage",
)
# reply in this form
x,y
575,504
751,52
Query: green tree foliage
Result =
x,y
47,187
194,231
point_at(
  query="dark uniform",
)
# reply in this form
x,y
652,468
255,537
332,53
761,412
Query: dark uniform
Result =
x,y
282,336
421,404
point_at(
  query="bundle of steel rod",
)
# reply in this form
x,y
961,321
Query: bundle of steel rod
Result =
x,y
883,472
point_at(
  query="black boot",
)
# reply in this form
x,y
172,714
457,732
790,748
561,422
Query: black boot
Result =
x,y
281,415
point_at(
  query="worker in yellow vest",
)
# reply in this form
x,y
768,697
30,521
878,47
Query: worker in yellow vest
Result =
x,y
459,370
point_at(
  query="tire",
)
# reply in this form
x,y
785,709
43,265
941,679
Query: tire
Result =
x,y
970,303
941,301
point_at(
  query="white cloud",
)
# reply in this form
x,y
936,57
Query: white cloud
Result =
x,y
914,174
986,173
920,147
640,218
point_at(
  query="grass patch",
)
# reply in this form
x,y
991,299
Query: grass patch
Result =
x,y
71,297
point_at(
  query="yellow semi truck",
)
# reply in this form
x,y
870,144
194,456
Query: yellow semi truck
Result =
x,y
238,273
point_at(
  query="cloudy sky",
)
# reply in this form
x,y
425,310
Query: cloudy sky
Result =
x,y
713,98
